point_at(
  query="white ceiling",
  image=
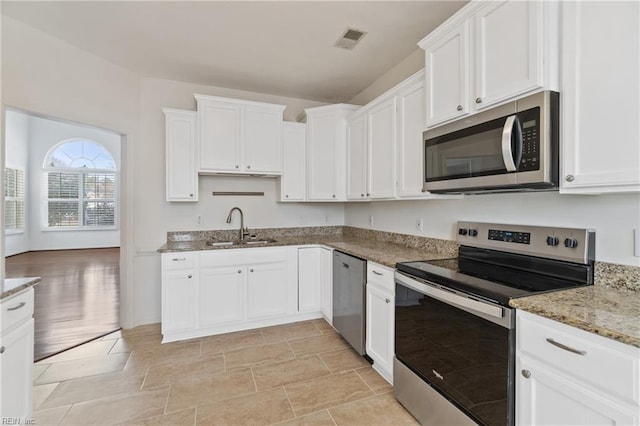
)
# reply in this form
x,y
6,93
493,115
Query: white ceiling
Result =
x,y
276,47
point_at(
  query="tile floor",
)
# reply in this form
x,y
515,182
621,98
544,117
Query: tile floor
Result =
x,y
296,374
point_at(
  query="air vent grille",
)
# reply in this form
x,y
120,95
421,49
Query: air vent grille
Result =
x,y
350,38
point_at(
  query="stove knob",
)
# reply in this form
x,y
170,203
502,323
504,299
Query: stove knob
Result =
x,y
473,232
570,243
553,241
462,231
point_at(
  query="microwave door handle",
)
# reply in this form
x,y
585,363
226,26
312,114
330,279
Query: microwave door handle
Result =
x,y
507,153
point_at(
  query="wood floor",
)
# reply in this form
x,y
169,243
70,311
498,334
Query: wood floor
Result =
x,y
78,298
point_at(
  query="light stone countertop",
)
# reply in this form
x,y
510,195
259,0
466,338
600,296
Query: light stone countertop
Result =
x,y
384,253
609,312
11,286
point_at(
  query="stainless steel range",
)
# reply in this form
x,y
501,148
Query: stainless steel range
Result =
x,y
454,330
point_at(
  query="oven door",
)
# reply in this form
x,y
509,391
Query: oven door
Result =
x,y
461,346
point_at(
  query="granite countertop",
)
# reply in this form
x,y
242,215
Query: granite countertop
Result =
x,y
602,310
382,252
12,286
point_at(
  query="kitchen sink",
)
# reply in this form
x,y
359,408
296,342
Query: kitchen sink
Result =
x,y
263,241
215,243
222,243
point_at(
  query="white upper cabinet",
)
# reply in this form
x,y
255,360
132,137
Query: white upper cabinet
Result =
x,y
411,112
508,59
239,136
327,152
181,159
447,75
381,149
292,181
600,102
371,141
490,52
357,157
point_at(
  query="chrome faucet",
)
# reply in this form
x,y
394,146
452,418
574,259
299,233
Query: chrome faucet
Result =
x,y
242,232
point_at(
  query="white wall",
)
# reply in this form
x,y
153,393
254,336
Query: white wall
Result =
x,y
16,156
612,216
155,216
49,77
403,70
44,135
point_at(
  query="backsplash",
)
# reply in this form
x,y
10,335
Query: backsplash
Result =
x,y
619,277
232,234
433,245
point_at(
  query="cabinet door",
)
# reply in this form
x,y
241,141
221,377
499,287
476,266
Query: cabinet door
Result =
x,y
547,398
447,76
181,159
16,369
508,51
380,323
382,145
178,300
411,107
321,156
292,182
262,140
357,158
600,102
267,290
221,295
220,128
326,284
309,279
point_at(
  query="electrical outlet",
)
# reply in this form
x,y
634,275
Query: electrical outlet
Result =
x,y
326,219
636,242
371,220
199,220
419,225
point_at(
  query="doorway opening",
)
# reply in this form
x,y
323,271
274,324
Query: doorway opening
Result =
x,y
62,204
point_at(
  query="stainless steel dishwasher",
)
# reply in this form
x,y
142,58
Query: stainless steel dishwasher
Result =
x,y
349,279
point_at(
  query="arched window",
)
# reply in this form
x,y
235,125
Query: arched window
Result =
x,y
80,186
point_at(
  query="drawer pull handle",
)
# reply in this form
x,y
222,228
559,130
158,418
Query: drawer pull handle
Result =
x,y
189,276
526,374
565,347
179,259
376,272
387,300
18,306
2,350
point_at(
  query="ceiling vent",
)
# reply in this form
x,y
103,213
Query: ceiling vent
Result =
x,y
350,38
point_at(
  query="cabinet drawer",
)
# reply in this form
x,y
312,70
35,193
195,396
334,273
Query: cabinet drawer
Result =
x,y
380,275
599,362
17,309
178,260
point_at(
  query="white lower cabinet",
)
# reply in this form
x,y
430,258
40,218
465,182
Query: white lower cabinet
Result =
x,y
221,295
569,376
380,308
314,281
326,290
16,357
220,291
267,290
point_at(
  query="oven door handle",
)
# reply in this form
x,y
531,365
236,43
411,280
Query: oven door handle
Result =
x,y
451,297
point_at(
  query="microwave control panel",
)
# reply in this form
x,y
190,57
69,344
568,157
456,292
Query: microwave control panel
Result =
x,y
530,124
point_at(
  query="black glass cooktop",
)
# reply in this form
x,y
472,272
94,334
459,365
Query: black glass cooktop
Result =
x,y
498,276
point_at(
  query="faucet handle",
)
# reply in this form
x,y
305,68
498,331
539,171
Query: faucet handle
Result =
x,y
245,231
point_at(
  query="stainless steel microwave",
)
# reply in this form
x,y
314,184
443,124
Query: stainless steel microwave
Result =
x,y
512,147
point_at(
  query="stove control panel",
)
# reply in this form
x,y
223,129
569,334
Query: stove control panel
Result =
x,y
571,244
510,236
